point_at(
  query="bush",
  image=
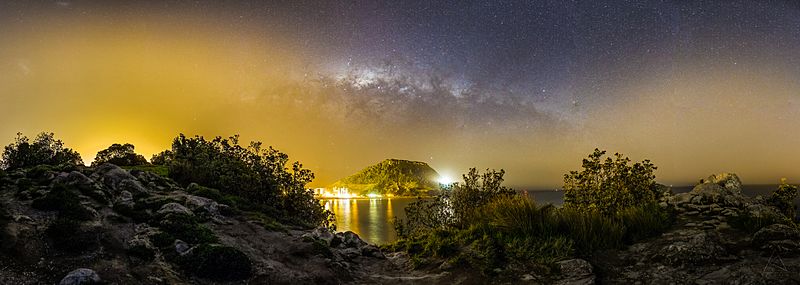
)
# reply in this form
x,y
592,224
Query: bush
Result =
x,y
188,229
644,221
258,175
611,185
44,149
522,217
459,206
590,231
120,155
750,223
783,198
217,262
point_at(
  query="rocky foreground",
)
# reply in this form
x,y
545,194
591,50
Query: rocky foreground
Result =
x,y
135,227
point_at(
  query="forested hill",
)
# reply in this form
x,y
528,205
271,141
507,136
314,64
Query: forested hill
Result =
x,y
392,176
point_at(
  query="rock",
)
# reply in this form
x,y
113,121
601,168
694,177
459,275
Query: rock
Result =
x,y
681,198
691,247
205,205
81,276
350,239
181,247
174,208
779,239
125,198
372,251
133,186
111,175
321,233
575,272
729,181
76,178
776,232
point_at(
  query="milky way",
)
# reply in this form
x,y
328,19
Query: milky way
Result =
x,y
529,86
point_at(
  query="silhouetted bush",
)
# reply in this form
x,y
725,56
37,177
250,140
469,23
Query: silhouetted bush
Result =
x,y
783,198
258,175
162,158
459,206
610,185
120,155
44,149
217,262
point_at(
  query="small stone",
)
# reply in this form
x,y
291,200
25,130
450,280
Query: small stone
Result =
x,y
181,247
81,276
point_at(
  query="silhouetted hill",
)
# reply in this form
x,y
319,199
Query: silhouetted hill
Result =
x,y
392,176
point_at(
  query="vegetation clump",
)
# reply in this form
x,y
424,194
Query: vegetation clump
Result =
x,y
784,199
120,155
488,226
609,185
217,262
45,149
256,174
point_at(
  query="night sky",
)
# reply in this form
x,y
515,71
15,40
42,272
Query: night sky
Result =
x,y
532,87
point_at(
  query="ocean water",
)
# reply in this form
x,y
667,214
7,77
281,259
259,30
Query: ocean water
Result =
x,y
371,218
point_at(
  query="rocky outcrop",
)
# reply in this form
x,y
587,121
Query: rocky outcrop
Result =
x,y
711,242
137,227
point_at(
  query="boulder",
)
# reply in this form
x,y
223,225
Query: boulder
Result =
x,y
729,181
174,208
321,233
81,276
575,272
691,247
350,239
776,232
111,175
778,239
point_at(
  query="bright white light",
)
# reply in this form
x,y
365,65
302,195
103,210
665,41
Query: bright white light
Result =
x,y
446,180
373,195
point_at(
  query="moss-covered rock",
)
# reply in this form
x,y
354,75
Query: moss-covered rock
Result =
x,y
217,262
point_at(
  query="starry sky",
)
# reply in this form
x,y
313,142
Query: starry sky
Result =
x,y
532,87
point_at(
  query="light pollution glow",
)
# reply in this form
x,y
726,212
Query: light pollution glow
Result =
x,y
143,80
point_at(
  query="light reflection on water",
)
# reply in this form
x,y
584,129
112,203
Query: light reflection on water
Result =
x,y
370,218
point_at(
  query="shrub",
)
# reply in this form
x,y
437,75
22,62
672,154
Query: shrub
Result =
x,y
142,252
459,206
522,217
44,149
783,198
217,262
644,221
750,223
162,158
187,228
590,231
609,185
120,155
258,175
